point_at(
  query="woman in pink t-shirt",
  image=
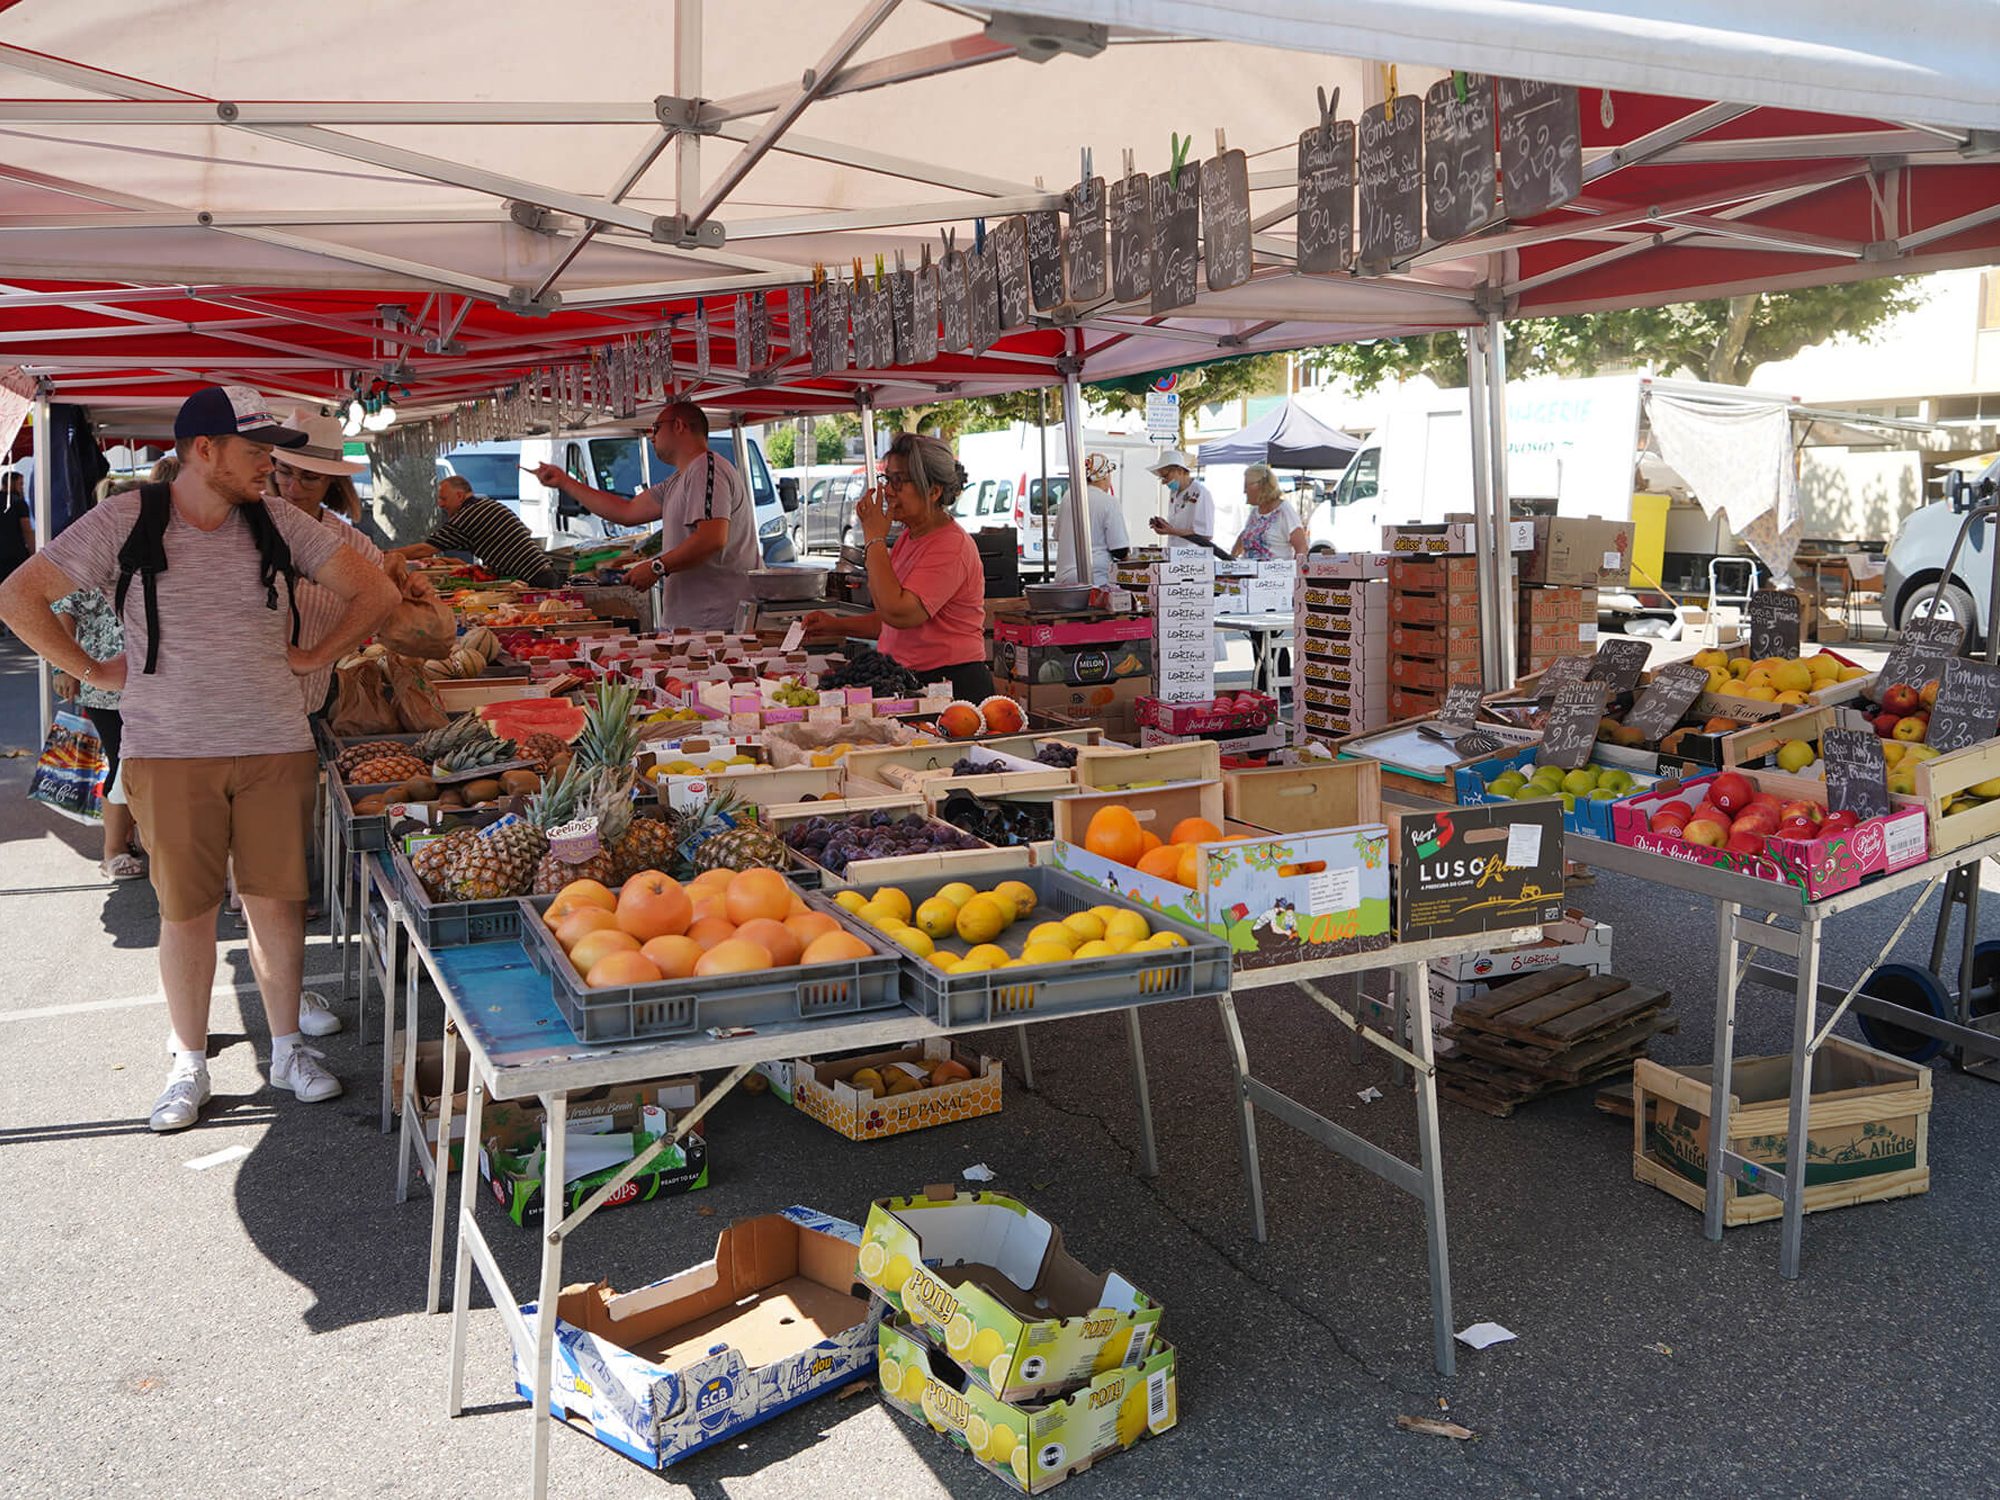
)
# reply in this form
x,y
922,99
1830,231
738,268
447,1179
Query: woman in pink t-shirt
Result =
x,y
929,588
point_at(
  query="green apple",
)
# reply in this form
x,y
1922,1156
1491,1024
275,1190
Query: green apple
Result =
x,y
1616,779
1606,794
1580,782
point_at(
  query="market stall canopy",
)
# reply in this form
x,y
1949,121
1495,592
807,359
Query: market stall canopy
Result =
x,y
181,201
1286,437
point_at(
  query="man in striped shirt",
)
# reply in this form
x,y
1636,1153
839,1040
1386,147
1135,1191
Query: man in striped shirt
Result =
x,y
490,532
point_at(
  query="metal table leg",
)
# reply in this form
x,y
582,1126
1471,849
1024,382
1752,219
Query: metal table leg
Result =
x,y
1149,1162
1430,1164
441,1165
1726,980
461,1276
391,933
1246,1120
555,1127
1027,1063
1805,1010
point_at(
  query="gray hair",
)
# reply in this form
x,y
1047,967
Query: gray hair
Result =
x,y
1261,482
932,465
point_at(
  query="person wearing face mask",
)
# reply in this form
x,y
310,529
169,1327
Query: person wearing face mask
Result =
x,y
929,588
1190,517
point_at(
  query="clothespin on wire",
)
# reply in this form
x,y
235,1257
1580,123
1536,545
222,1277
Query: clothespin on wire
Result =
x,y
924,263
1179,156
878,271
950,238
1084,176
978,236
1389,96
1128,163
1458,84
1221,142
860,277
1326,113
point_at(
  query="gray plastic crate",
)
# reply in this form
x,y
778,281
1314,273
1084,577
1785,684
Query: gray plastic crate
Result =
x,y
998,997
682,1007
452,924
360,833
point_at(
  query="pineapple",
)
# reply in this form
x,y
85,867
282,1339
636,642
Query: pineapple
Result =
x,y
610,801
433,862
647,845
609,737
499,865
731,836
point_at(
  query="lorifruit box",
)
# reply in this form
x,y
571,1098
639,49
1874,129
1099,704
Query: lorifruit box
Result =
x,y
672,1368
987,1280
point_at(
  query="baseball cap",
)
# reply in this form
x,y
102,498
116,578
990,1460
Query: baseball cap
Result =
x,y
233,411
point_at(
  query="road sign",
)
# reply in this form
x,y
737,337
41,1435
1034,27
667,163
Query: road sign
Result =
x,y
1163,417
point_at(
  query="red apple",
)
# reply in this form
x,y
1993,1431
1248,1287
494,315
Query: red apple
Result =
x,y
1837,822
1885,724
1672,824
1767,799
1745,843
1928,695
1798,828
1812,812
1731,792
1758,820
1676,806
1706,831
1901,699
1712,813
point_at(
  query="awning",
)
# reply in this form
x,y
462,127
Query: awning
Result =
x,y
1286,437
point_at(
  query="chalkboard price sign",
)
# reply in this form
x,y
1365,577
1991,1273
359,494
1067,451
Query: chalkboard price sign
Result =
x,y
954,303
1084,250
903,314
829,327
1458,156
760,330
982,296
1920,656
1010,240
1176,237
1131,201
874,332
1561,672
701,341
1326,199
1620,660
924,316
1968,706
1225,219
1461,704
1390,170
1856,774
1045,258
1774,623
1570,734
1660,706
1541,146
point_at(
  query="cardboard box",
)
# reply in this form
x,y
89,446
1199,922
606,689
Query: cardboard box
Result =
x,y
1371,693
990,1280
1472,869
1431,675
1456,536
1367,674
1349,595
1431,575
510,1151
1109,705
1575,939
1455,643
1032,1446
1413,703
1347,625
823,1090
1545,604
1586,551
1346,565
669,1369
1447,608
1867,1129
1335,901
1072,652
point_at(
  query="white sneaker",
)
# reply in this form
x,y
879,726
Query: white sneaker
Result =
x,y
187,1091
300,1071
316,1017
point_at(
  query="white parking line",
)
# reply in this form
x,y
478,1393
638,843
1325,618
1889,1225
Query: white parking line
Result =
x,y
129,1002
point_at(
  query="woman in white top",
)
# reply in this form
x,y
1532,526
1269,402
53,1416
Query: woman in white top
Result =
x,y
1273,533
1190,517
1107,529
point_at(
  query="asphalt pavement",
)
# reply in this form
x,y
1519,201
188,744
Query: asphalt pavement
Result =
x,y
179,1325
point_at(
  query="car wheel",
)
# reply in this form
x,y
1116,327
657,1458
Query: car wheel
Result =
x,y
1953,603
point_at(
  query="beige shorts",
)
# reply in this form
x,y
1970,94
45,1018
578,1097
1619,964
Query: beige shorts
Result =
x,y
199,815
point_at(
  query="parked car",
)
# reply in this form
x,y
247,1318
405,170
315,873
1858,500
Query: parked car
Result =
x,y
829,509
1917,557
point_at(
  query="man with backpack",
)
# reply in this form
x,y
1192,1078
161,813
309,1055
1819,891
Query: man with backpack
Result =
x,y
218,757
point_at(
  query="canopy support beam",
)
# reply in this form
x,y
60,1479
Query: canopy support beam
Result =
x,y
44,508
1076,503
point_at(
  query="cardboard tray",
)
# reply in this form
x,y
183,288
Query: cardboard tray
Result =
x,y
996,997
684,1007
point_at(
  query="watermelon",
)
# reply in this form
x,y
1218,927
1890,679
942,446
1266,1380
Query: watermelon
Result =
x,y
518,718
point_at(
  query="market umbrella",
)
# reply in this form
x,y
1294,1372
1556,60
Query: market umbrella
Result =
x,y
1286,437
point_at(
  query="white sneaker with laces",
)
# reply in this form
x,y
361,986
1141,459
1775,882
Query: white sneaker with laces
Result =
x,y
300,1071
316,1017
180,1106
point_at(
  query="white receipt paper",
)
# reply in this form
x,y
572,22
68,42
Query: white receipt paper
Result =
x,y
1484,1335
1524,844
1333,890
793,636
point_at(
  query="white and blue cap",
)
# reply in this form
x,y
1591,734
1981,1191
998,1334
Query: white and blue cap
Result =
x,y
234,411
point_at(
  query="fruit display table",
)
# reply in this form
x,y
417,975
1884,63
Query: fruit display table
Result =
x,y
1738,898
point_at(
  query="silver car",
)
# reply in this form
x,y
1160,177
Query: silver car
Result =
x,y
1917,557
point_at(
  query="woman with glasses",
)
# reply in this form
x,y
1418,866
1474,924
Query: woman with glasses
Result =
x,y
929,587
316,479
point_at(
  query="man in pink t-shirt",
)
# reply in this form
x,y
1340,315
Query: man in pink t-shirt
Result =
x,y
218,760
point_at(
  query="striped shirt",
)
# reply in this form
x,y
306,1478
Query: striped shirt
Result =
x,y
493,534
320,608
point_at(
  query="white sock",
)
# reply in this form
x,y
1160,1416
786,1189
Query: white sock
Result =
x,y
191,1061
281,1046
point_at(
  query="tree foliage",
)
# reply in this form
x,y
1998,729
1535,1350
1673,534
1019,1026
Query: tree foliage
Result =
x,y
1200,385
1723,340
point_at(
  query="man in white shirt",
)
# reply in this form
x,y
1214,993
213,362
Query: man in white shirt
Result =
x,y
1190,518
1107,529
708,526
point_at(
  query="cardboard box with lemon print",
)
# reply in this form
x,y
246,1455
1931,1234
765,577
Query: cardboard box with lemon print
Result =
x,y
1033,1446
987,1280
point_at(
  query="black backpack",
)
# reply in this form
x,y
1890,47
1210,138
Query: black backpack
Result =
x,y
145,553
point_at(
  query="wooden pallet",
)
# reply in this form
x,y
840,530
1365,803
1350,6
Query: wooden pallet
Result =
x,y
1554,1029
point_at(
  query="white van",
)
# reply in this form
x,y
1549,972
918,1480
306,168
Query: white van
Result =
x,y
1005,469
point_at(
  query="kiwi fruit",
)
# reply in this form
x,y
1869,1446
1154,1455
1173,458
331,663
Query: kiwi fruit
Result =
x,y
451,796
520,783
420,789
370,805
483,790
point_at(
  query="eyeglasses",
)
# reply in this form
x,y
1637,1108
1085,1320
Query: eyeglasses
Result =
x,y
299,476
890,481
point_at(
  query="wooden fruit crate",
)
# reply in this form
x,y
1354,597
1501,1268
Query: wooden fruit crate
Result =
x,y
1102,767
1867,1129
1748,746
1942,775
1299,799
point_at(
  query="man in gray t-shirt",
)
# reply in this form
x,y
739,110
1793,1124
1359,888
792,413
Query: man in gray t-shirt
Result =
x,y
708,526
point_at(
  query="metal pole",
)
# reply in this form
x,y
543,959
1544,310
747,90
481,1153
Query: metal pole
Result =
x,y
1485,536
1042,423
44,504
687,83
1076,510
866,401
1500,562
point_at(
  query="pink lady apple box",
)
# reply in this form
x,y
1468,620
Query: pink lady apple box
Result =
x,y
1818,867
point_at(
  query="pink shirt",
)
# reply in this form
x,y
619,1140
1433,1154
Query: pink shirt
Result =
x,y
942,569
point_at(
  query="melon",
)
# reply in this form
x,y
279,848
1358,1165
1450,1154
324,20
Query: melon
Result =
x,y
519,718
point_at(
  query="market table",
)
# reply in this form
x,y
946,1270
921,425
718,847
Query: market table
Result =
x,y
1734,895
520,1046
1269,634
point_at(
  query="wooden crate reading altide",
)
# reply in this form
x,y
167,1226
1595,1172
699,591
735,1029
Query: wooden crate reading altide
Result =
x,y
1867,1129
1555,1029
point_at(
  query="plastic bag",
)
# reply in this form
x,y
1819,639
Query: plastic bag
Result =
x,y
69,775
421,625
361,703
414,697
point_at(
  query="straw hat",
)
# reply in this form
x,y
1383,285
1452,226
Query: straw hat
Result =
x,y
322,450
